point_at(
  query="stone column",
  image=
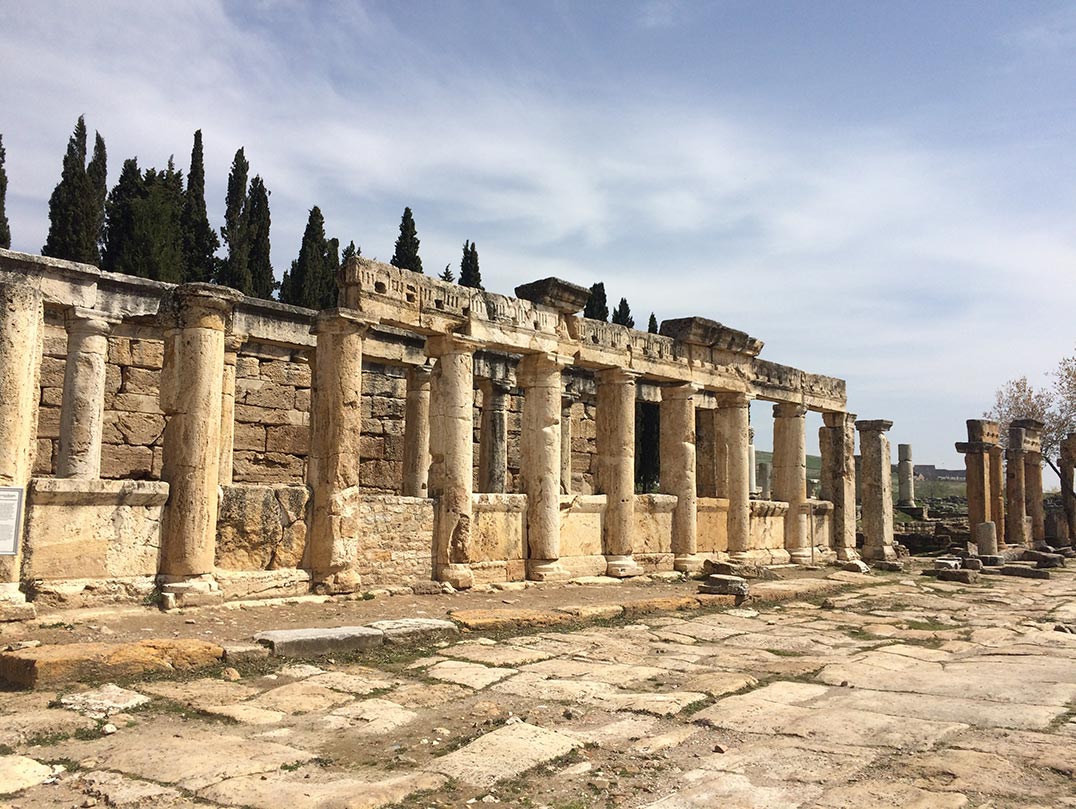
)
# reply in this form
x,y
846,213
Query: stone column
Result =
x,y
905,476
452,453
416,471
540,377
195,318
21,332
764,475
734,414
566,402
877,469
1068,498
677,447
790,475
752,486
493,443
615,417
82,416
705,453
1016,525
723,437
836,442
1033,477
333,463
232,344
978,483
997,491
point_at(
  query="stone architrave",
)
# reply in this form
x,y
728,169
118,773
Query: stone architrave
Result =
x,y
540,377
82,416
1016,524
615,424
734,417
493,442
333,463
416,470
905,476
790,475
836,441
195,318
677,448
566,402
21,333
452,454
232,344
1068,497
877,487
1033,501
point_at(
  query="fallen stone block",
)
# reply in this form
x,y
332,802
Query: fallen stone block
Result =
x,y
714,600
427,588
319,641
415,630
669,604
747,570
1024,572
856,566
947,563
19,772
964,576
591,612
722,584
508,619
238,652
1043,559
104,701
71,662
992,560
973,564
889,565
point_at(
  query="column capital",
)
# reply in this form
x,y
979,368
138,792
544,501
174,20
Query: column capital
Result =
x,y
874,426
680,390
616,376
837,419
197,306
440,345
789,410
727,399
419,374
973,447
340,321
80,320
233,342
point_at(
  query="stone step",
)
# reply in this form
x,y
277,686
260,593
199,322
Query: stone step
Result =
x,y
415,630
320,640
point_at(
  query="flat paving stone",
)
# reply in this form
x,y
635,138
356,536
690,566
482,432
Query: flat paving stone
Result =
x,y
471,675
302,697
20,772
415,630
503,754
317,641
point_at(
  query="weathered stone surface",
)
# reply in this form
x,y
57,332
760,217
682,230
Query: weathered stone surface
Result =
x,y
104,701
415,630
471,675
964,576
261,527
504,753
718,584
665,604
50,665
19,772
1043,559
318,641
479,619
1024,572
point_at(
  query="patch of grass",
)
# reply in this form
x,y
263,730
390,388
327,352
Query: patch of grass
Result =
x,y
57,625
693,708
162,706
930,626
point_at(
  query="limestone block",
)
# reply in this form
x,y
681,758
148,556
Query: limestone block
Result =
x,y
44,457
416,630
383,406
581,525
19,772
267,467
500,754
122,461
247,368
261,393
250,437
136,429
52,397
947,563
986,538
261,527
309,642
302,399
719,584
137,403
52,372
48,422
479,619
371,447
137,352
290,439
141,380
498,527
1024,572
295,374
963,576
113,380
268,416
713,536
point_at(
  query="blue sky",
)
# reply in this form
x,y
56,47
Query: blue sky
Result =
x,y
884,192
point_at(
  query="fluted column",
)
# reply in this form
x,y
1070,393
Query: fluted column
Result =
x,y
616,468
416,471
82,416
677,447
566,402
540,377
836,442
877,490
195,318
452,453
232,344
790,475
733,415
21,332
493,444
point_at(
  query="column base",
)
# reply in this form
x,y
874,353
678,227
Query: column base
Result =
x,y
801,556
622,567
13,604
687,562
546,570
188,591
879,553
339,583
458,575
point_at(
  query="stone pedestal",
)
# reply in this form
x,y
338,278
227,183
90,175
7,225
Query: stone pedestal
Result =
x,y
333,463
836,441
986,539
616,468
416,468
195,318
1016,524
493,443
540,377
790,476
452,453
678,472
21,333
83,413
232,344
905,476
734,410
877,487
566,402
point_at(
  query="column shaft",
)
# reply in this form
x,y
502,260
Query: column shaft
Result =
x,y
232,344
566,403
616,468
677,446
997,491
790,475
836,441
1016,528
905,476
877,490
705,453
977,464
416,470
82,416
734,418
1033,495
493,442
1068,498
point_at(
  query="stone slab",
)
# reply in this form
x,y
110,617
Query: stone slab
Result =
x,y
1024,572
721,584
963,576
666,604
503,754
479,619
471,675
320,641
104,701
19,772
415,630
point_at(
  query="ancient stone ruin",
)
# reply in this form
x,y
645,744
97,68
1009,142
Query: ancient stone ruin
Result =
x,y
188,443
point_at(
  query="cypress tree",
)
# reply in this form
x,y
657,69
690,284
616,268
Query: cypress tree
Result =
x,y
234,271
261,266
200,241
97,176
143,234
72,220
597,308
469,272
5,229
406,256
652,326
448,276
351,251
622,314
311,282
120,216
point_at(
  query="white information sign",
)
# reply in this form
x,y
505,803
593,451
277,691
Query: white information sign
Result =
x,y
10,519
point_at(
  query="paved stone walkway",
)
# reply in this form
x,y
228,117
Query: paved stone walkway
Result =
x,y
906,692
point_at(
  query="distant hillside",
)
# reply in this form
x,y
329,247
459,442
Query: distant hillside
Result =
x,y
814,462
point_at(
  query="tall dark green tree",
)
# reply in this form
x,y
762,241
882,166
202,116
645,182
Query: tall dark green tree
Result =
x,y
622,314
351,251
311,281
74,223
261,266
234,271
406,255
97,176
5,228
470,276
448,276
652,325
120,214
597,307
143,224
200,240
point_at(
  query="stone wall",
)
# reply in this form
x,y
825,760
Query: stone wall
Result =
x,y
262,527
395,540
713,531
652,540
